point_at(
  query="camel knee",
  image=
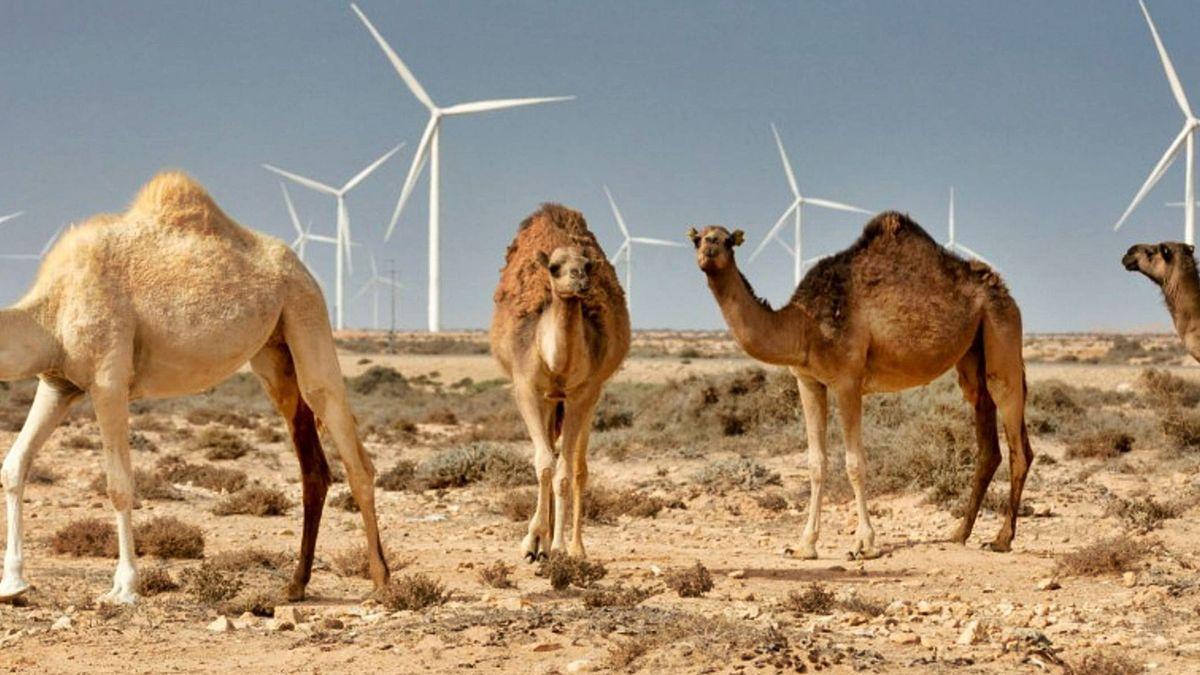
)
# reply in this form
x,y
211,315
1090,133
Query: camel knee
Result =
x,y
120,494
12,476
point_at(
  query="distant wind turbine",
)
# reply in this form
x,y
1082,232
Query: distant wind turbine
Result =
x,y
953,245
343,222
30,256
625,251
303,234
797,249
428,151
376,283
1186,135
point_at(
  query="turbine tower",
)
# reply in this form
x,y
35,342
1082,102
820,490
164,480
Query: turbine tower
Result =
x,y
798,201
376,283
1186,135
427,151
625,252
344,258
952,245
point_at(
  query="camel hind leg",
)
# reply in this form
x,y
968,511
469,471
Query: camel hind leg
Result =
x,y
275,369
308,336
972,378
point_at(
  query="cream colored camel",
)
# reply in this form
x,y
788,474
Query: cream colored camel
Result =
x,y
169,299
893,311
560,329
1172,266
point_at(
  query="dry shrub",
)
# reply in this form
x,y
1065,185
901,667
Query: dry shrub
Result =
x,y
78,441
1107,556
345,501
738,473
601,505
146,485
1164,389
690,582
413,592
219,444
352,562
399,478
772,501
481,462
259,602
1181,427
210,585
617,596
215,478
42,475
443,416
1104,663
517,505
90,537
380,381
248,559
269,434
155,580
205,416
860,605
256,500
497,575
151,422
169,537
1144,514
813,600
1104,444
563,570
624,653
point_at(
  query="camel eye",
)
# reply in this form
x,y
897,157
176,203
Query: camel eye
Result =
x,y
555,268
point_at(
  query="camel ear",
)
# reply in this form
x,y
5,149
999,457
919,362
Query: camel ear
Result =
x,y
1191,249
1165,252
694,235
739,238
543,259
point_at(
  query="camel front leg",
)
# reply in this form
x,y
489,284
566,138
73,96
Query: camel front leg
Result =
x,y
112,414
581,475
50,406
577,416
850,408
535,411
815,401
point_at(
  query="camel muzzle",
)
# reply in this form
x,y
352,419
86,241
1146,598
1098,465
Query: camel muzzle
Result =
x,y
1130,262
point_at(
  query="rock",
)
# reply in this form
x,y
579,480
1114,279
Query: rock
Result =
x,y
897,607
63,623
905,638
970,633
1129,579
244,621
579,666
332,623
221,625
737,574
289,613
1048,584
925,607
547,647
278,625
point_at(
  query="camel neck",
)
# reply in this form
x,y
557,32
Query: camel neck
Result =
x,y
562,339
765,334
26,346
1182,293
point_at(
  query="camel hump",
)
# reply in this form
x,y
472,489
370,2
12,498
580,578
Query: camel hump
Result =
x,y
175,199
890,223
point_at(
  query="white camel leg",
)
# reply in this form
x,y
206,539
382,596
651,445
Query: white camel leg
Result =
x,y
533,410
850,408
563,478
112,414
581,473
50,406
814,400
576,417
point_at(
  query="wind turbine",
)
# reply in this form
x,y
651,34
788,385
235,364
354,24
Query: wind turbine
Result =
x,y
794,210
427,151
303,234
30,256
376,283
1187,134
953,245
343,222
625,252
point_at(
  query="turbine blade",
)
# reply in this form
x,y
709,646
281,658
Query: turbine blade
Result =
x,y
287,198
500,104
405,74
785,246
836,206
973,254
306,182
771,233
50,242
620,251
617,213
374,269
18,256
364,288
655,242
414,172
1172,77
321,238
5,219
1155,174
787,166
951,220
367,171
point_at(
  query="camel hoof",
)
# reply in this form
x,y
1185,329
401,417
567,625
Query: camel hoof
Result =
x,y
294,592
997,547
118,597
805,553
11,594
530,557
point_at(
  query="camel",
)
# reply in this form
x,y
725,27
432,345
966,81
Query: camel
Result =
x,y
1172,266
560,330
895,310
169,299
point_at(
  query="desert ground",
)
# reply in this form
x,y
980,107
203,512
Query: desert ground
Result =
x,y
700,488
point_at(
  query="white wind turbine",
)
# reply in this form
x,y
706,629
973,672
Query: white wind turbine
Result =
x,y
428,151
953,245
303,234
797,249
376,283
1187,134
344,258
625,252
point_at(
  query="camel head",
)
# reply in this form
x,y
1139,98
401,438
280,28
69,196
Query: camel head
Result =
x,y
568,268
714,247
1157,261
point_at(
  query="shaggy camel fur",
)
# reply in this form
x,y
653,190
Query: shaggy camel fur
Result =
x,y
893,311
169,299
560,329
1172,265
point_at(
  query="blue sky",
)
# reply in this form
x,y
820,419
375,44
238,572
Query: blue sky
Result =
x,y
1046,117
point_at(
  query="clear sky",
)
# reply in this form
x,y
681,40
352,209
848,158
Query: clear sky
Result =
x,y
1046,117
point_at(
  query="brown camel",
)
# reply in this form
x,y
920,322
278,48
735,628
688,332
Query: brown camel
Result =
x,y
1172,265
560,329
893,311
168,299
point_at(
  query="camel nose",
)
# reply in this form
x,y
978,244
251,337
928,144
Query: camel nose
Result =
x,y
710,252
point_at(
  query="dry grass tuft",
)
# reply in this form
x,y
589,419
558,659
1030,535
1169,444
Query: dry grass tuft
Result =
x,y
1107,556
442,416
1165,389
772,501
481,462
40,474
617,596
815,599
563,570
413,592
210,585
1144,514
205,416
497,575
215,478
690,582
169,537
249,558
601,505
352,562
345,501
399,478
155,580
255,500
219,444
146,485
517,505
90,537
739,473
1104,444
1104,663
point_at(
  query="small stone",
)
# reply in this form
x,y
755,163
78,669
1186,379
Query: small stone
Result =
x,y
221,625
63,623
332,623
905,638
925,608
244,621
579,666
1048,584
737,574
1129,579
969,634
547,647
289,613
277,625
